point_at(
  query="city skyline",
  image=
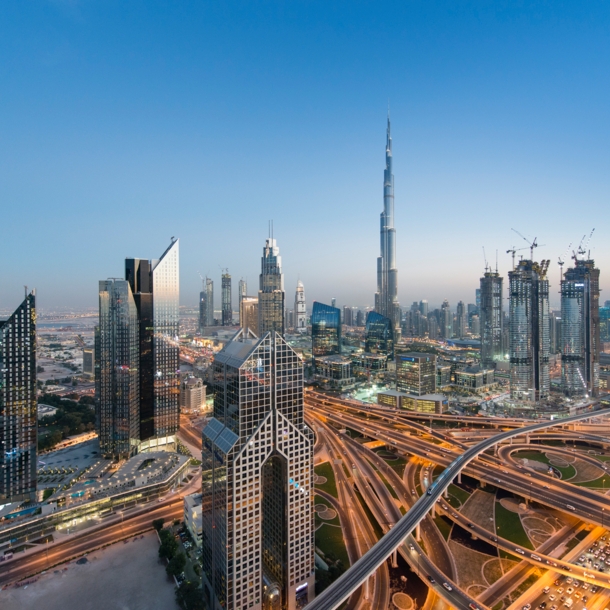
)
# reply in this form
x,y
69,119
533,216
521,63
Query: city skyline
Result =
x,y
497,146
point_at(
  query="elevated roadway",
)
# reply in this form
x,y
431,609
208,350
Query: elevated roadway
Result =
x,y
334,595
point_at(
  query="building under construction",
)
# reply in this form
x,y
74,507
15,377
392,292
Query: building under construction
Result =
x,y
529,331
580,331
491,319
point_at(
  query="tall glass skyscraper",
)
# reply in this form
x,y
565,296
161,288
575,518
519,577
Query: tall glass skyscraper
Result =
x,y
529,331
118,400
138,350
227,305
325,330
386,297
580,329
206,304
491,319
300,309
271,290
379,335
18,407
257,480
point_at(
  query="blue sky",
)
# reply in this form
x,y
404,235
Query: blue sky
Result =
x,y
123,124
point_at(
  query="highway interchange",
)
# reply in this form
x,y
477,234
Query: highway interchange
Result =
x,y
412,437
372,495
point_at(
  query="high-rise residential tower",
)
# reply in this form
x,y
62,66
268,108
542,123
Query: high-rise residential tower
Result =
x,y
300,309
203,310
386,297
209,301
325,330
446,321
461,319
242,292
18,408
248,314
580,329
491,319
257,480
529,331
227,303
137,378
271,290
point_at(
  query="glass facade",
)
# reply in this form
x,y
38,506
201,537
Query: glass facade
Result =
x,y
227,303
118,401
271,294
529,331
139,318
580,330
166,350
491,319
257,484
325,330
415,373
18,406
604,324
379,335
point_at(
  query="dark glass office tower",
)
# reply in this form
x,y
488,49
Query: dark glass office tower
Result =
x,y
491,319
203,311
18,408
227,307
271,294
529,331
118,387
257,480
153,286
580,329
325,330
379,335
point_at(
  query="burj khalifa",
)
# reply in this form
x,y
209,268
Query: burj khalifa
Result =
x,y
386,297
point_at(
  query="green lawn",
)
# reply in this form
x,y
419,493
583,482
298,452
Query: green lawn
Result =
x,y
566,472
511,528
326,470
330,541
321,500
457,492
443,525
602,482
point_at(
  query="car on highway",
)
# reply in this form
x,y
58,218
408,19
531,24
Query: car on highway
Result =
x,y
520,551
447,586
432,581
551,598
527,607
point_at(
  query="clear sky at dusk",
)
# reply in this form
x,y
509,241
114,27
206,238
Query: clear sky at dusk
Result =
x,y
125,123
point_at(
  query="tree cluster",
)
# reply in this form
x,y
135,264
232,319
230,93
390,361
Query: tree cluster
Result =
x,y
71,418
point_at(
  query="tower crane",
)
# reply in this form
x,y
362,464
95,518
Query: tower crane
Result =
x,y
485,259
512,251
533,244
583,249
561,261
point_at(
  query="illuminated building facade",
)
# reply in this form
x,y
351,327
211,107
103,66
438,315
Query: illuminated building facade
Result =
x,y
257,480
529,331
491,319
325,331
386,297
415,372
580,330
271,290
18,405
379,335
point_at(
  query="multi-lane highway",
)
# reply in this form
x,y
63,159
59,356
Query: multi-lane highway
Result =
x,y
334,595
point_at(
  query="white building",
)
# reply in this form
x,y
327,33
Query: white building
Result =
x,y
192,393
300,309
192,516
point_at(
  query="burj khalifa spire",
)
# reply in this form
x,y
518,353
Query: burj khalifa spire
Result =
x,y
386,297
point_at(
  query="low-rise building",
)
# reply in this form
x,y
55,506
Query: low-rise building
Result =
x,y
474,377
334,371
192,393
443,375
192,517
428,403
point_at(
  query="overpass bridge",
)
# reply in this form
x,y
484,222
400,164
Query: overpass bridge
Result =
x,y
357,574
